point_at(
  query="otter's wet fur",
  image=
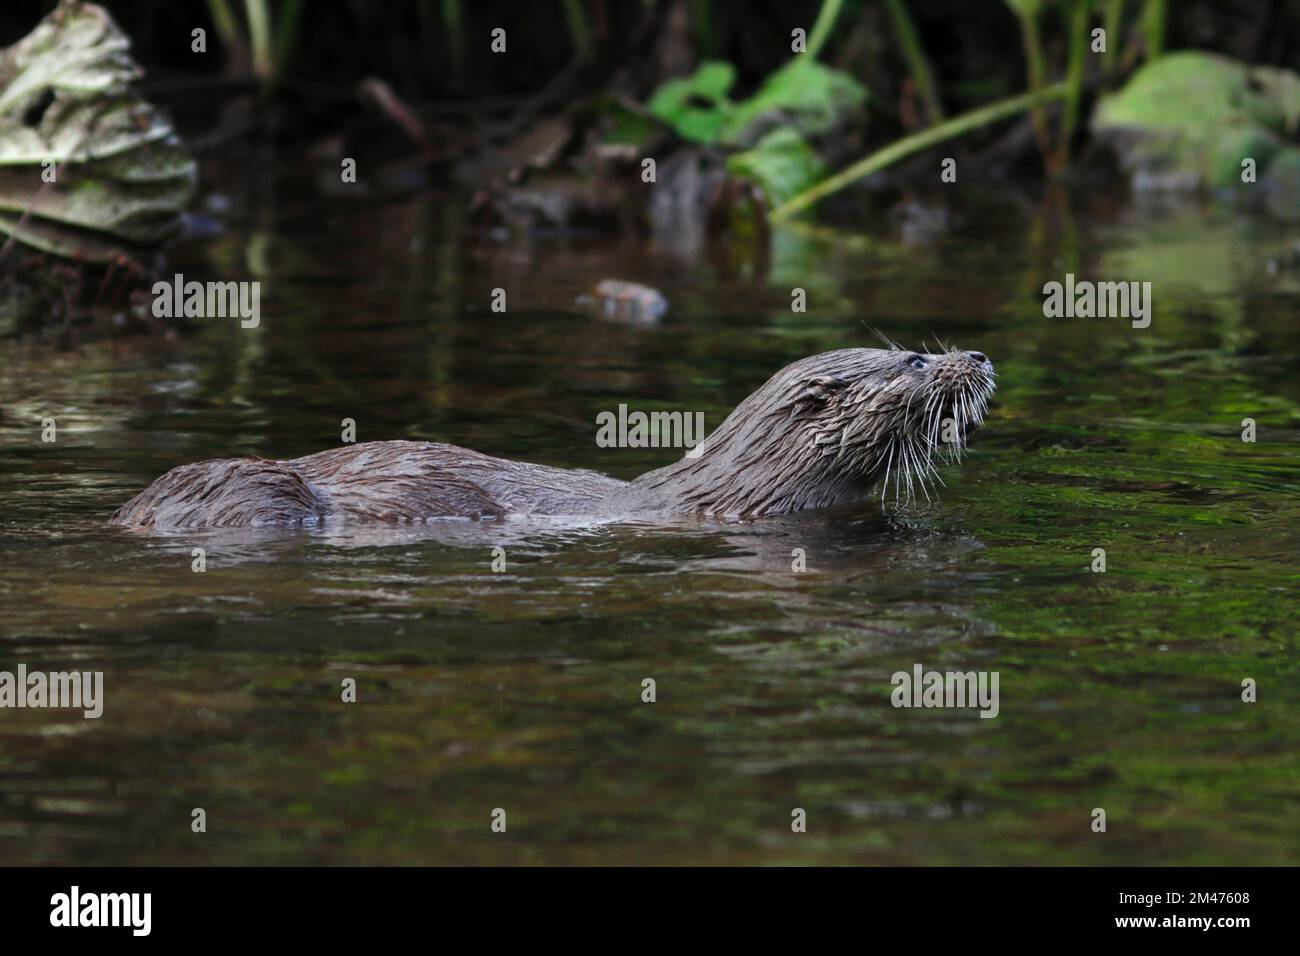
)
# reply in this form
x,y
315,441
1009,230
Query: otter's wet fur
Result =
x,y
825,430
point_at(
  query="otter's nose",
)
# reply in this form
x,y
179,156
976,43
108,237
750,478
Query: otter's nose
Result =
x,y
980,357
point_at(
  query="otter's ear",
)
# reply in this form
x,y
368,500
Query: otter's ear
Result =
x,y
820,390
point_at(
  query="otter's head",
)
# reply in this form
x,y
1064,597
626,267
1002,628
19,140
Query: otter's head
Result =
x,y
826,428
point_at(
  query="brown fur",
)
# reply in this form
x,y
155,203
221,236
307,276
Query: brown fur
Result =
x,y
820,432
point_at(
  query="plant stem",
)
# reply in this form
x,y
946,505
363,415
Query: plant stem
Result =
x,y
1153,27
1077,37
1034,64
452,18
821,30
915,143
1113,24
259,33
223,18
917,63
576,17
286,34
702,27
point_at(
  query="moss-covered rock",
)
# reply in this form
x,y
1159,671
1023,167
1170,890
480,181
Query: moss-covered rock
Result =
x,y
1191,120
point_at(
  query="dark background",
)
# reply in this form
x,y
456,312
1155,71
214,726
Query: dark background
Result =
x,y
974,47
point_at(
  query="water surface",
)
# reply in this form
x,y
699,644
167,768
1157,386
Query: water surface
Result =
x,y
521,690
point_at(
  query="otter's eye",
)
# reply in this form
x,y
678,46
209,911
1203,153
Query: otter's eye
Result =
x,y
916,362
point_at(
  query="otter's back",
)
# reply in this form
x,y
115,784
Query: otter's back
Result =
x,y
227,493
408,480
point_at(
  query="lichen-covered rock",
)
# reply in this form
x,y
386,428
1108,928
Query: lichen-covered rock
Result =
x,y
100,169
1190,120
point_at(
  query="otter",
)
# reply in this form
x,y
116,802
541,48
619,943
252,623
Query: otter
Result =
x,y
822,431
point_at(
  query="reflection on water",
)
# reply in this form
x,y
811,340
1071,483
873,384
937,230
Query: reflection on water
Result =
x,y
522,688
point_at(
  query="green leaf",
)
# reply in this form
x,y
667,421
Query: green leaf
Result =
x,y
624,122
805,94
696,105
782,163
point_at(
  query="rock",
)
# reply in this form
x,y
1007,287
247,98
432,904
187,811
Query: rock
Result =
x,y
69,113
625,302
1188,120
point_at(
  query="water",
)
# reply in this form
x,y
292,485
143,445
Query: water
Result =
x,y
522,690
